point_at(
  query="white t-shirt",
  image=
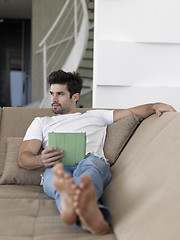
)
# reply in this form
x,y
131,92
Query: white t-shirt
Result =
x,y
93,122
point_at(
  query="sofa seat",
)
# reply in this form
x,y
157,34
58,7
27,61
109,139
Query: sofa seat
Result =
x,y
27,213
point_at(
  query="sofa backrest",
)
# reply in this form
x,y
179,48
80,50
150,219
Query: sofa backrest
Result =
x,y
0,118
14,122
0,113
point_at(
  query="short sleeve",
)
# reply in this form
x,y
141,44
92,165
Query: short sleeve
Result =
x,y
35,130
105,116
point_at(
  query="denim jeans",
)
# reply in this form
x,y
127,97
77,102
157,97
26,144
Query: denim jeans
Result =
x,y
98,170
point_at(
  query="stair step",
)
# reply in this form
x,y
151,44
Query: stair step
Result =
x,y
88,58
89,49
91,29
88,54
89,78
90,6
85,73
86,67
91,15
90,44
91,20
91,35
86,63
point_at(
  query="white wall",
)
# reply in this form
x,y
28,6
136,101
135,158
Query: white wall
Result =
x,y
136,53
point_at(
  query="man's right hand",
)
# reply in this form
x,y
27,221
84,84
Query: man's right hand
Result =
x,y
50,156
30,157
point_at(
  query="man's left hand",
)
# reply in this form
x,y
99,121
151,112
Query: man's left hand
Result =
x,y
160,108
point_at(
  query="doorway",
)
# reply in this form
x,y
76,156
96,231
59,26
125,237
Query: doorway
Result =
x,y
15,74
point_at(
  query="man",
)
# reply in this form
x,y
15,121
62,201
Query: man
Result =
x,y
77,188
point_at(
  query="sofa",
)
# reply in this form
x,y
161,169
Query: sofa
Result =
x,y
143,196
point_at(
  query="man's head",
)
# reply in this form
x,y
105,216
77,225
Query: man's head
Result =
x,y
65,91
72,80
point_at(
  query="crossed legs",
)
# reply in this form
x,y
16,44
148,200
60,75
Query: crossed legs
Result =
x,y
79,201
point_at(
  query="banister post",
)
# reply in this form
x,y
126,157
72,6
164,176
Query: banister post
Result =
x,y
75,20
44,69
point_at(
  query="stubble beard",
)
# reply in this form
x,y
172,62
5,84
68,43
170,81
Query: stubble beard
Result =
x,y
59,110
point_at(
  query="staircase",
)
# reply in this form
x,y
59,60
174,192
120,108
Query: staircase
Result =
x,y
85,68
75,39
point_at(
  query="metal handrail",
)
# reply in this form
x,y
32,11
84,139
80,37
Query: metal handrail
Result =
x,y
54,24
56,43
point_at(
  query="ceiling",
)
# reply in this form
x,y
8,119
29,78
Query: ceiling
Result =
x,y
20,9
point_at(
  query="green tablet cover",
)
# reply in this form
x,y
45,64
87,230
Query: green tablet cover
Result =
x,y
73,145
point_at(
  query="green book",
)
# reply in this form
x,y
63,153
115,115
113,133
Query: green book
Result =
x,y
73,145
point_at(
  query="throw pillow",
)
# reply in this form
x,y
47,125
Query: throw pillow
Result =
x,y
118,135
12,173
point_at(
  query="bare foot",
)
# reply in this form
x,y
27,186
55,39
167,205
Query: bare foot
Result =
x,y
65,186
85,205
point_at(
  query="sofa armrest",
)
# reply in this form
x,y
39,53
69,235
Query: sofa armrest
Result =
x,y
144,193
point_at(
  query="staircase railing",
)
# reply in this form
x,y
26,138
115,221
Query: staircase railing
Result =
x,y
73,34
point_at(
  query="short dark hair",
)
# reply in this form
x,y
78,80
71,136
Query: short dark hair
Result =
x,y
73,80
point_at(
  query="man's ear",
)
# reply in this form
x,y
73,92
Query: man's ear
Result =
x,y
75,97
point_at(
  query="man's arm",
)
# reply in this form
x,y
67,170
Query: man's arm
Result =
x,y
143,111
31,158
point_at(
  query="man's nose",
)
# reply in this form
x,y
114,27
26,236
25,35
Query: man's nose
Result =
x,y
54,98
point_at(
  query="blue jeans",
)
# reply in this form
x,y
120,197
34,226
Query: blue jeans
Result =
x,y
98,170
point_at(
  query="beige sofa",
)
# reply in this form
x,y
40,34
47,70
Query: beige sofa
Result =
x,y
144,194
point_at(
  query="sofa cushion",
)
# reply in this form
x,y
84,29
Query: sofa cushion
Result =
x,y
118,135
12,173
14,123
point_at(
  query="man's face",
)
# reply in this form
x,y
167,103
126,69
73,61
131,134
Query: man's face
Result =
x,y
60,99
